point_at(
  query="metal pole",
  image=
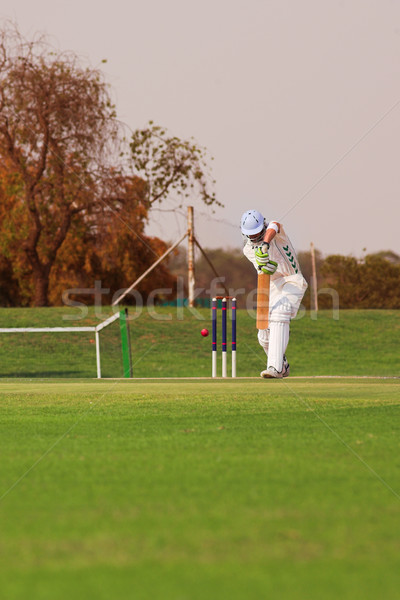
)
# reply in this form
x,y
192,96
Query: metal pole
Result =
x,y
97,336
233,337
191,276
224,369
126,350
314,284
129,343
214,338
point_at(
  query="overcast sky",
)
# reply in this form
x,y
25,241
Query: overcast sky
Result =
x,y
298,103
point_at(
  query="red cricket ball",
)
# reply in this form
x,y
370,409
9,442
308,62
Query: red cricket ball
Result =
x,y
204,332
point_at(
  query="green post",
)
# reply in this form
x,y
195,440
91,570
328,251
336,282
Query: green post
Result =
x,y
126,343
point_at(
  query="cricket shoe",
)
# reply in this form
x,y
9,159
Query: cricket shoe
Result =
x,y
272,373
286,367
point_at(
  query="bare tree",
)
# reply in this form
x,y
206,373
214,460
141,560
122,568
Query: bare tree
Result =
x,y
171,166
57,122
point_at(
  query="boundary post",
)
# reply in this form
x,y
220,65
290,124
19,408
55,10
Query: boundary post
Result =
x,y
98,360
125,342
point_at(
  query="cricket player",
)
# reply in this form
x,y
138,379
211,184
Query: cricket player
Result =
x,y
269,249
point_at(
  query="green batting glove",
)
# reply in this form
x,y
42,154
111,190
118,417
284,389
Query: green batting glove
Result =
x,y
269,268
261,257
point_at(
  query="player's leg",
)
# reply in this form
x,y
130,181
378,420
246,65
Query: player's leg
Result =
x,y
263,334
279,323
284,307
263,339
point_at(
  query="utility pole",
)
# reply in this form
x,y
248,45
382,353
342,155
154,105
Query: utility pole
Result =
x,y
191,239
314,284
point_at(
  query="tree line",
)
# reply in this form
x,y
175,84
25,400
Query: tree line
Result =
x,y
369,282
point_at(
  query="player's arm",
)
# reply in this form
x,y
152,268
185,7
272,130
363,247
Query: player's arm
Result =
x,y
264,263
272,229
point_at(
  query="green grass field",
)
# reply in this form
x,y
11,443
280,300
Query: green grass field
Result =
x,y
193,489
226,489
168,344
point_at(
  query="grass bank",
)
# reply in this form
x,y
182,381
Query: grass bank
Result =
x,y
167,342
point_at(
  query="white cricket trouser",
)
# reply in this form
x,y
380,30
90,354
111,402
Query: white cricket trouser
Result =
x,y
286,294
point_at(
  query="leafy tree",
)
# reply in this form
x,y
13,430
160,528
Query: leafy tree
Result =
x,y
15,283
107,243
343,274
373,282
306,269
56,125
306,263
388,255
9,287
380,282
111,245
171,166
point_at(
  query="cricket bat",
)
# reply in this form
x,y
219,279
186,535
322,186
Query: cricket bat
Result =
x,y
262,300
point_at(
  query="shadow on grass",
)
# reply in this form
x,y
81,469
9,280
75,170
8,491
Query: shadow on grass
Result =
x,y
39,374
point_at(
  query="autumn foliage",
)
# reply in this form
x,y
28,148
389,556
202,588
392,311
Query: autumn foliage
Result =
x,y
106,244
73,207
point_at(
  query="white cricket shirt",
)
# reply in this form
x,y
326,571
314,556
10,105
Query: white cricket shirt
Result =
x,y
281,251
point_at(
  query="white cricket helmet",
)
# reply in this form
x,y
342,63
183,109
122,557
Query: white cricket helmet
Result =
x,y
252,225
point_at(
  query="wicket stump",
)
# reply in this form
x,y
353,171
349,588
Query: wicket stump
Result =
x,y
224,335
